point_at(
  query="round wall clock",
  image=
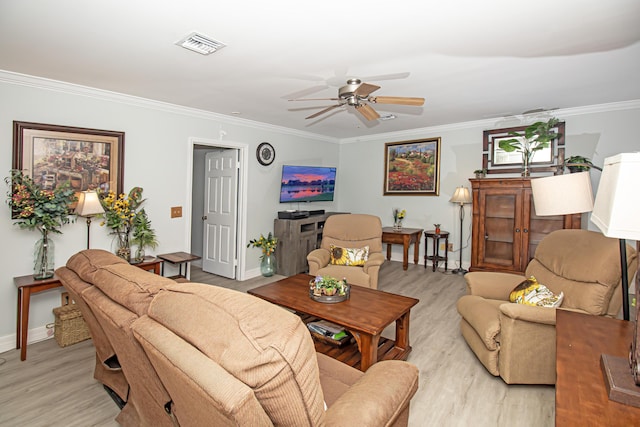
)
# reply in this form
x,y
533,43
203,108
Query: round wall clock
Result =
x,y
265,153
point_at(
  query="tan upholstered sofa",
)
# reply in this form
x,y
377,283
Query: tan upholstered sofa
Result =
x,y
350,231
195,354
518,342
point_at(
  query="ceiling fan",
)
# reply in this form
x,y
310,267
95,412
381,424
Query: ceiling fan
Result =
x,y
356,94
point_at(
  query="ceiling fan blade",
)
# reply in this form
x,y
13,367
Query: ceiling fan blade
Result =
x,y
400,100
367,111
365,89
329,108
394,76
315,99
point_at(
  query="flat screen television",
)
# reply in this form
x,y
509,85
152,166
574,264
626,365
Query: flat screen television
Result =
x,y
307,184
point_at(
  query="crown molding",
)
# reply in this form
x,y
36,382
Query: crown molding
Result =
x,y
491,123
105,95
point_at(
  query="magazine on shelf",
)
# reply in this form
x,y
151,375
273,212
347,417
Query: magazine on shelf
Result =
x,y
327,329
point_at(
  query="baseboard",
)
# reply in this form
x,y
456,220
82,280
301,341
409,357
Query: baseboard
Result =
x,y
8,342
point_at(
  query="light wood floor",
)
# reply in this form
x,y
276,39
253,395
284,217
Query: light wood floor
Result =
x,y
55,386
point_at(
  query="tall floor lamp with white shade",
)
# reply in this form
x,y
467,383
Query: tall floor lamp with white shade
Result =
x,y
461,196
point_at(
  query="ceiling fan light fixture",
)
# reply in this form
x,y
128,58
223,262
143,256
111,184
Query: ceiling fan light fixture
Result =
x,y
201,44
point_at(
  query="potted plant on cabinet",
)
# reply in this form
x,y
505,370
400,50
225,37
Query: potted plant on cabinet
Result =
x,y
535,137
578,164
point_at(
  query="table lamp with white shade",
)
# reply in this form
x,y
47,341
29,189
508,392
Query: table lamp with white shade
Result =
x,y
88,206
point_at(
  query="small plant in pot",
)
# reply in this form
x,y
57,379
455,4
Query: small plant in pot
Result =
x,y
578,164
480,173
143,235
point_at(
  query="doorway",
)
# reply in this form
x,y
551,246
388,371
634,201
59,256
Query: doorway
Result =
x,y
199,149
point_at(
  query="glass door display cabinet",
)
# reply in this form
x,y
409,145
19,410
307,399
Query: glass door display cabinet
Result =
x,y
506,229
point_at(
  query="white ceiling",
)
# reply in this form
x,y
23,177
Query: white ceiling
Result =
x,y
470,59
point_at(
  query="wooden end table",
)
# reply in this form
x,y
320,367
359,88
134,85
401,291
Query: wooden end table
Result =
x,y
179,258
364,315
581,393
405,237
27,286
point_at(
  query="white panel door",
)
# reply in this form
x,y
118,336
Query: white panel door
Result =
x,y
220,213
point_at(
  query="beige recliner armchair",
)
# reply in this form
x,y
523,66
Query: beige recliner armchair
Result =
x,y
352,231
230,359
518,342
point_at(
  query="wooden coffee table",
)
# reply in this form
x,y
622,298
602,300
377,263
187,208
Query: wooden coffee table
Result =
x,y
364,315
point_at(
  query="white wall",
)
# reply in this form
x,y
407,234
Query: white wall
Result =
x,y
595,132
158,159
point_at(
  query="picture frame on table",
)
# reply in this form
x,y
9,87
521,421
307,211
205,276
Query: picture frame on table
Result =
x,y
412,168
90,159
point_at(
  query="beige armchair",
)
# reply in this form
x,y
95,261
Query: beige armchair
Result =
x,y
350,231
518,342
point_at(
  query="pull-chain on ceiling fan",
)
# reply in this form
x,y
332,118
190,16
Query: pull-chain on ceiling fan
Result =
x,y
356,94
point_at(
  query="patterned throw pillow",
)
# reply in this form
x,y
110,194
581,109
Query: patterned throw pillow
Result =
x,y
530,292
348,256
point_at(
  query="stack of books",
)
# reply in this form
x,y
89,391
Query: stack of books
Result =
x,y
327,330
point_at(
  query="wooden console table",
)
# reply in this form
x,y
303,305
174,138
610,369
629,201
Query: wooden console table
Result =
x,y
581,394
27,286
405,237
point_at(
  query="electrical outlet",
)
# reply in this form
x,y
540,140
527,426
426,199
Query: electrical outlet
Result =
x,y
176,212
450,247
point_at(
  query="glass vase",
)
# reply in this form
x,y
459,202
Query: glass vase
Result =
x,y
397,225
44,262
121,246
268,265
526,159
139,255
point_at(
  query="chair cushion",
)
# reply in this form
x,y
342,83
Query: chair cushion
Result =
x,y
348,256
275,358
530,292
130,286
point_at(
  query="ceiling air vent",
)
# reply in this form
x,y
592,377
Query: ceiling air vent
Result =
x,y
201,44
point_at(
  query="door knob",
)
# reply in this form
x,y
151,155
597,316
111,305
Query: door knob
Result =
x,y
204,217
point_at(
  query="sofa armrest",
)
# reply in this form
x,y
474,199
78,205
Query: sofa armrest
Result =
x,y
394,382
492,285
375,260
317,259
529,313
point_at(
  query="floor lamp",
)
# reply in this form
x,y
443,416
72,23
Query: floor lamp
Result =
x,y
461,196
88,206
616,214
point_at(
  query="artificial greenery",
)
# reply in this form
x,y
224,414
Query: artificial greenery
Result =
x,y
578,163
143,235
326,285
535,137
36,208
120,212
268,244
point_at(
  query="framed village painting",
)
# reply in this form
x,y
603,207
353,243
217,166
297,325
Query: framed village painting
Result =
x,y
412,168
90,159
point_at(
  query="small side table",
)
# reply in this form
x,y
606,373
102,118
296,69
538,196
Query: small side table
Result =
x,y
151,264
436,258
179,258
404,237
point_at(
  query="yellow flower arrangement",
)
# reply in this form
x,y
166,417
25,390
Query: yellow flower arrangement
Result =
x,y
268,244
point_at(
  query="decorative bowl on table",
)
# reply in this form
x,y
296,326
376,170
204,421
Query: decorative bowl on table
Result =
x,y
328,289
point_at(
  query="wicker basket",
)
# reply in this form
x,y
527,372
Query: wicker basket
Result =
x,y
70,327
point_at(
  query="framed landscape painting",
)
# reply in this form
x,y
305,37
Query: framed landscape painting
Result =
x,y
90,159
412,168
